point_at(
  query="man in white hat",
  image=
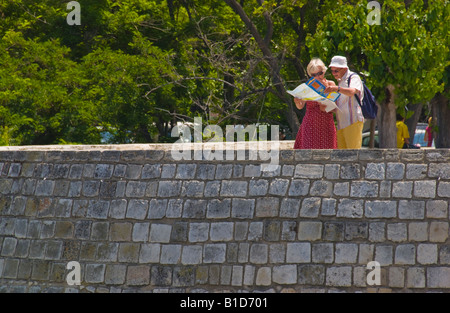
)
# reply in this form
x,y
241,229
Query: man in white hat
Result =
x,y
350,120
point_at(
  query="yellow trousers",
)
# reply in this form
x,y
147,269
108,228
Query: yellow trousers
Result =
x,y
350,137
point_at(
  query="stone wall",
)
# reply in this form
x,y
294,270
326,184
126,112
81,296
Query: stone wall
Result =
x,y
136,220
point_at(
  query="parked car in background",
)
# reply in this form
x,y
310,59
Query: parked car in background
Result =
x,y
419,138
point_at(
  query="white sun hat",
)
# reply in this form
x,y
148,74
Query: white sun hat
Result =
x,y
338,61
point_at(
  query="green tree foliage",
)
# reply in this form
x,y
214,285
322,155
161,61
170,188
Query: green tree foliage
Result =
x,y
404,58
133,68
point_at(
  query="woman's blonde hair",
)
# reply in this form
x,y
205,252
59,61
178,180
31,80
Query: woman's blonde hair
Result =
x,y
315,66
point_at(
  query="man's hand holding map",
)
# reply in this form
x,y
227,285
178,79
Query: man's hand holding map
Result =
x,y
313,90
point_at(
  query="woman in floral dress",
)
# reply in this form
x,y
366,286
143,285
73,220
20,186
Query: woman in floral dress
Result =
x,y
317,130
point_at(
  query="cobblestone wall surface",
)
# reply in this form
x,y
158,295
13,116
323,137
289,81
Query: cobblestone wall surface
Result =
x,y
136,220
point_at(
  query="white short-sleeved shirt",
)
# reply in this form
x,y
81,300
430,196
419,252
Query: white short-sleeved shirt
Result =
x,y
349,110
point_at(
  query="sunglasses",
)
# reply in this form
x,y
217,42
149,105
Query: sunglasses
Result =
x,y
317,74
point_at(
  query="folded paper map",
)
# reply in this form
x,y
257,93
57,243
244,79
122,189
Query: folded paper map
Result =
x,y
313,90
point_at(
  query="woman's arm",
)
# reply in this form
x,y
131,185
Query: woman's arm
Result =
x,y
299,103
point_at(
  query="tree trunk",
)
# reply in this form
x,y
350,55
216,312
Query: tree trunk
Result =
x,y
413,120
441,115
274,67
387,132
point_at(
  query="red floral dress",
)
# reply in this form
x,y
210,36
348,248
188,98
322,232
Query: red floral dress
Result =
x,y
317,130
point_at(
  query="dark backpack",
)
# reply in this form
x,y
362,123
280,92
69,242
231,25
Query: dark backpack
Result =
x,y
368,106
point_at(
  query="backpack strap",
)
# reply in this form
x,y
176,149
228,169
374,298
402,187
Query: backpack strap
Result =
x,y
348,84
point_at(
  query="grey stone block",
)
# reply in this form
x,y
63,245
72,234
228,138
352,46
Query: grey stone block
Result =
x,y
240,231
183,276
234,188
425,189
309,171
333,231
128,252
332,171
135,189
350,171
259,253
384,254
416,171
169,189
9,246
115,274
427,254
107,252
174,209
415,277
161,276
206,171
346,253
402,190
272,230
221,231
290,207
411,209
299,187
224,171
309,231
118,208
218,208
258,187
140,232
364,189
277,253
192,189
150,253
310,207
339,276
397,232
45,188
133,171
278,187
150,171
138,275
157,208
321,188
437,209
137,209
192,255
395,171
160,233
350,208
267,207
195,209
284,274
322,253
186,171
376,171
199,232
342,189
214,253
444,189
328,207
252,170
438,277
298,252
311,275
380,209
103,171
95,273
91,188
377,231
356,230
